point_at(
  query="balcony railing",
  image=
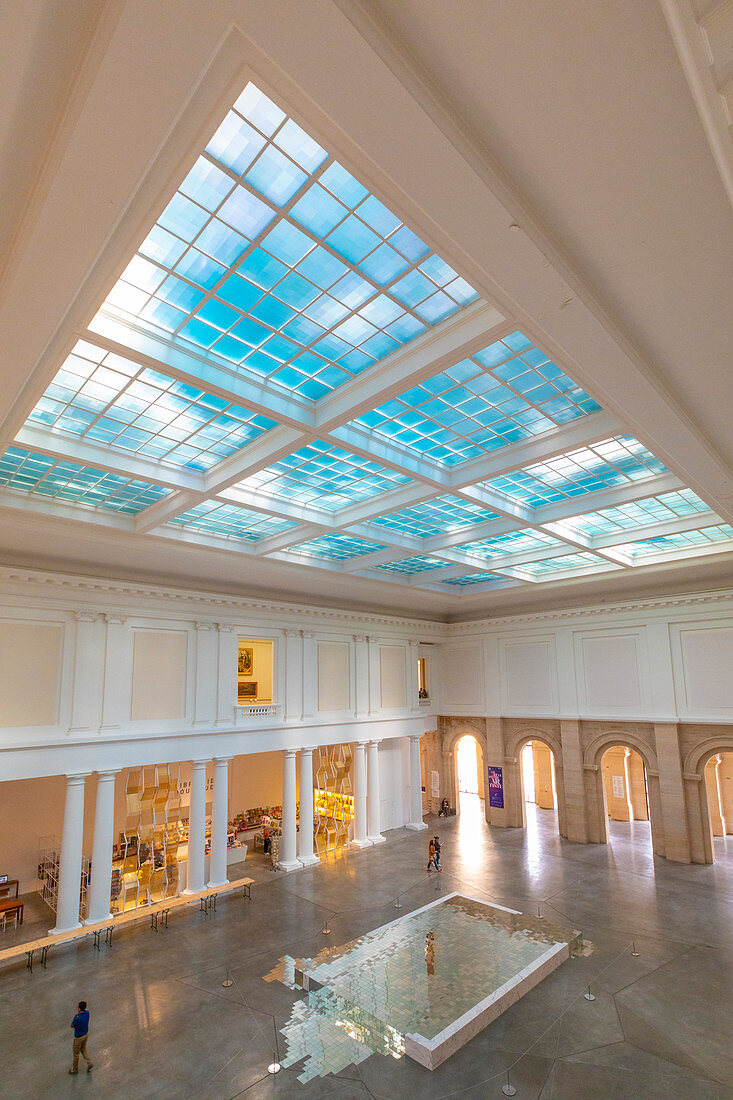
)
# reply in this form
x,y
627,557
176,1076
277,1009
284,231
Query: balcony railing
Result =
x,y
255,710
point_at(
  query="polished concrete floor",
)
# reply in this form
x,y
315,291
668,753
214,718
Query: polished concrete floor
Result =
x,y
163,1026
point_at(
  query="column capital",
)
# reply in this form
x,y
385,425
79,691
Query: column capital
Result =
x,y
372,639
308,748
204,626
113,619
376,740
75,778
307,634
107,773
222,759
292,633
85,615
415,737
361,743
224,628
291,752
412,643
361,638
201,762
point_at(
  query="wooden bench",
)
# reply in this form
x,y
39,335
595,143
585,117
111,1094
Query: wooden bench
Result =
x,y
206,899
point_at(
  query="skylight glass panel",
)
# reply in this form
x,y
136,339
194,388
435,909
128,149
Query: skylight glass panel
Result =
x,y
105,398
435,517
324,477
616,461
512,542
561,565
335,547
639,513
474,578
272,256
506,392
231,521
683,540
409,566
74,483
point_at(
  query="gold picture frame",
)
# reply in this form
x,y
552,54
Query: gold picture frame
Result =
x,y
246,661
247,691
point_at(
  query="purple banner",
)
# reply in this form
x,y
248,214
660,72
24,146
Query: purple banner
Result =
x,y
496,788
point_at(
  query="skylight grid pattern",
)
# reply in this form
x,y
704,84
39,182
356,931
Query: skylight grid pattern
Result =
x,y
335,547
682,540
639,513
506,392
473,578
566,563
273,256
410,566
41,475
324,477
512,542
231,521
619,460
435,517
105,398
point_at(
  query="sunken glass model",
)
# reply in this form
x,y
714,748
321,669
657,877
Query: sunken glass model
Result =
x,y
333,802
146,867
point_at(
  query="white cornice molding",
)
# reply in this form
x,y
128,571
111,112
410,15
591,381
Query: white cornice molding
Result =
x,y
68,586
627,607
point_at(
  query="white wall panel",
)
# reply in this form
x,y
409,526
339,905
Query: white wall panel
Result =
x,y
159,659
706,668
528,673
609,672
393,676
30,671
462,676
334,681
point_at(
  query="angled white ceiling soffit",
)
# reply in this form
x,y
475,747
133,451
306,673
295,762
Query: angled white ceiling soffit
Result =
x,y
320,332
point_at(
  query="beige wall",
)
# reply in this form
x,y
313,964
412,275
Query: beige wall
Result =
x,y
392,676
262,668
30,671
334,681
158,674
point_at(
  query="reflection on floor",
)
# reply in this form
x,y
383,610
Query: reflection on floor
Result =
x,y
417,979
164,1026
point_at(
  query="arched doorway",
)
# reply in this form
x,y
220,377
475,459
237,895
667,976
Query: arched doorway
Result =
x,y
718,780
538,785
623,799
469,771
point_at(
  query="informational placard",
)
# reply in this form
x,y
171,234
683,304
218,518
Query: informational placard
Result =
x,y
435,784
496,788
618,786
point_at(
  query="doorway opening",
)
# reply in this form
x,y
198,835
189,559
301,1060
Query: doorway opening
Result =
x,y
719,792
539,786
625,794
469,772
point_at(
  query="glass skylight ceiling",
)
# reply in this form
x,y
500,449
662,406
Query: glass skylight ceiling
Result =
x,y
324,476
505,393
615,461
273,257
106,398
68,481
271,263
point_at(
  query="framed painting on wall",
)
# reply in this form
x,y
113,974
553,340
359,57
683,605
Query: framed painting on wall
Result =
x,y
247,691
246,662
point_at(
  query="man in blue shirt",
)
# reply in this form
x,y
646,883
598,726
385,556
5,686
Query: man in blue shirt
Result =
x,y
80,1024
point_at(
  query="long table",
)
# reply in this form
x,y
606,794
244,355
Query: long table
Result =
x,y
7,905
160,909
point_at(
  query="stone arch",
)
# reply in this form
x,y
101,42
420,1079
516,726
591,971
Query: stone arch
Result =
x,y
701,831
451,737
595,792
514,744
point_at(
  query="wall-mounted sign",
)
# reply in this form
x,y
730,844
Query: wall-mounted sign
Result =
x,y
618,786
435,784
496,788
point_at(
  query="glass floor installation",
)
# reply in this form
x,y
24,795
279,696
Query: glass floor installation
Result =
x,y
422,985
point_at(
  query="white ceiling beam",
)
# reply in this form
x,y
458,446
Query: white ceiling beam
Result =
x,y
657,530
666,557
468,331
487,529
202,372
260,501
493,501
101,457
393,456
292,537
607,498
12,501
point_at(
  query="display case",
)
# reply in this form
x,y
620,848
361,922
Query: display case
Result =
x,y
333,801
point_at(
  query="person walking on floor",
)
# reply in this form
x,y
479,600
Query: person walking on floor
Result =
x,y
80,1024
436,845
432,865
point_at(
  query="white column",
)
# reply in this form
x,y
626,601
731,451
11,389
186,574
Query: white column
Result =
x,y
375,692
196,828
104,825
416,822
86,699
413,702
373,795
117,673
226,695
293,644
72,837
306,855
361,676
219,823
359,840
204,707
288,859
310,674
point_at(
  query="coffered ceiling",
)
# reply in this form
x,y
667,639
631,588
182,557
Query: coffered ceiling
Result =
x,y
413,307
